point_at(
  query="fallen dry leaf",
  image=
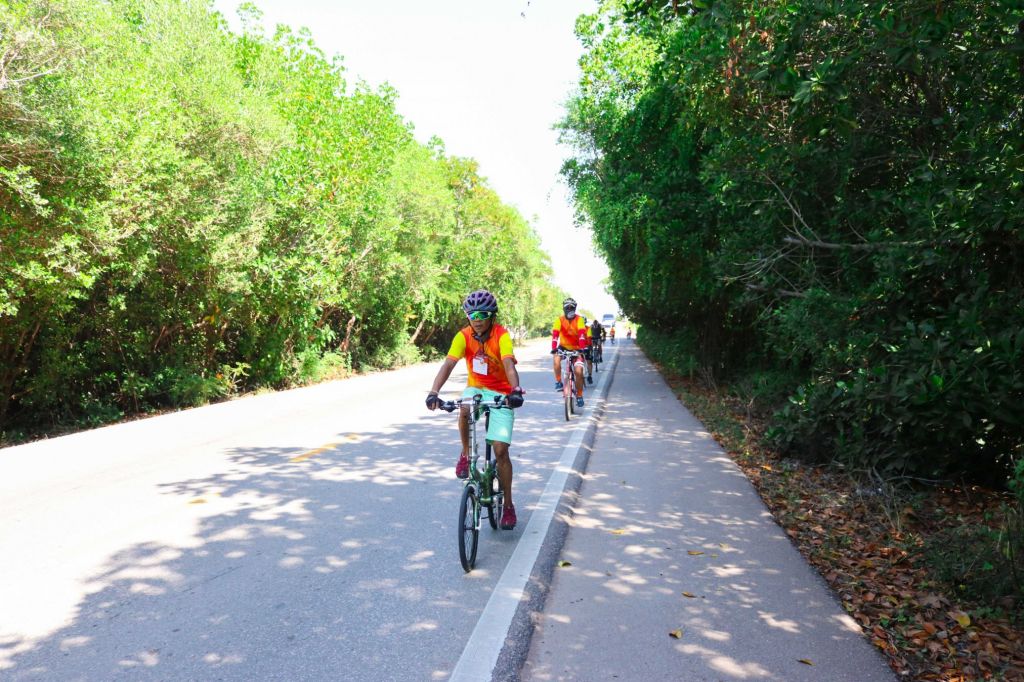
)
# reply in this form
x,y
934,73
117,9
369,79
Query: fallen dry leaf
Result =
x,y
805,661
960,617
678,634
694,552
563,563
691,595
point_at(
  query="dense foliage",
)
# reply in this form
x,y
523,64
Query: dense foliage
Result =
x,y
186,212
823,197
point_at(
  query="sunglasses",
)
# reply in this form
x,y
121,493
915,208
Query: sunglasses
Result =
x,y
480,315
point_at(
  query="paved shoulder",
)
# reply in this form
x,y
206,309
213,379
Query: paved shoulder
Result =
x,y
670,538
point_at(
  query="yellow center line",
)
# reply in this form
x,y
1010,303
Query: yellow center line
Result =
x,y
312,453
348,438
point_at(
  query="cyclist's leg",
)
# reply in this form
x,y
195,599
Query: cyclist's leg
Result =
x,y
504,463
579,377
467,395
462,465
499,434
464,428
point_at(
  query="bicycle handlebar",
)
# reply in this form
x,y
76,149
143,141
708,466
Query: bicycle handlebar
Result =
x,y
500,403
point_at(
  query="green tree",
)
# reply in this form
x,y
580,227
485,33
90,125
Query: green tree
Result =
x,y
825,192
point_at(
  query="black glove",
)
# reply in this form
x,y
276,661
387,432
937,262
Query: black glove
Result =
x,y
515,398
554,350
433,401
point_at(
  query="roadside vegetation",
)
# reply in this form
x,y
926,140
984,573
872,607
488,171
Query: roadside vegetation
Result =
x,y
187,214
813,210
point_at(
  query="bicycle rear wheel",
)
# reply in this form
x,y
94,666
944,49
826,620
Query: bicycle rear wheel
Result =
x,y
469,533
497,506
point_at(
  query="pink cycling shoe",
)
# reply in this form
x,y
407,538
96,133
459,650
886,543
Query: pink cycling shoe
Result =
x,y
508,517
462,467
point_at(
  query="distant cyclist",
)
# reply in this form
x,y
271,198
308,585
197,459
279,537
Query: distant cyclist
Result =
x,y
611,334
596,341
491,365
570,332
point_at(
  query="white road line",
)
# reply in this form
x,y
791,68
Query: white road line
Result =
x,y
481,652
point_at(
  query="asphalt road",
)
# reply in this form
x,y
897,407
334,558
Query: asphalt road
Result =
x,y
309,534
312,535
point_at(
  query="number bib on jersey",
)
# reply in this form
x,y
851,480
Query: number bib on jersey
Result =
x,y
480,365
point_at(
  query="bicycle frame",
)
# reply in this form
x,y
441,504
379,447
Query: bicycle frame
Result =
x,y
569,379
480,484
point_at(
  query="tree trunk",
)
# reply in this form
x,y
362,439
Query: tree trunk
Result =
x,y
416,333
348,334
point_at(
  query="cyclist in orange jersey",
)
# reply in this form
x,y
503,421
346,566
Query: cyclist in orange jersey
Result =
x,y
570,332
491,365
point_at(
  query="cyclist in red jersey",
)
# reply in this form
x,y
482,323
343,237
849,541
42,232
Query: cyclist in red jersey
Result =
x,y
571,333
491,365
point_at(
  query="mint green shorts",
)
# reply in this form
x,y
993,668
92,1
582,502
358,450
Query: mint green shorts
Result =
x,y
500,426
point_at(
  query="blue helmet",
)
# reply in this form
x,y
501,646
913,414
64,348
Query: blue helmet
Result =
x,y
480,300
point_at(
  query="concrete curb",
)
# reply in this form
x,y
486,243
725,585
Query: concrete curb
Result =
x,y
513,654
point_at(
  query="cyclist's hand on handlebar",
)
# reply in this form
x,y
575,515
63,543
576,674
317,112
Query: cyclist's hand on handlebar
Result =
x,y
433,402
515,398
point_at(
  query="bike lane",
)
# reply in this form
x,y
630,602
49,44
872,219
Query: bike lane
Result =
x,y
673,569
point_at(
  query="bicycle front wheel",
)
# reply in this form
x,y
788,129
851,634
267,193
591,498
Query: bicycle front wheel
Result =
x,y
566,389
469,533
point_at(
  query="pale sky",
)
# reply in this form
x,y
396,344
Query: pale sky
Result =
x,y
488,81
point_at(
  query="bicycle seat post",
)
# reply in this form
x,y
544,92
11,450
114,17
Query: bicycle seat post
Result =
x,y
487,444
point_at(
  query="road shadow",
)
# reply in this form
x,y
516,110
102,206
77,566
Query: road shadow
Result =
x,y
299,564
676,570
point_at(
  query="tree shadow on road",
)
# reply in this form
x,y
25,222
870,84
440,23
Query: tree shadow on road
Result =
x,y
296,564
676,570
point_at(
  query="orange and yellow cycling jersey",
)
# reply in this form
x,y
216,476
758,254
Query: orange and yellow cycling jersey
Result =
x,y
571,334
484,361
